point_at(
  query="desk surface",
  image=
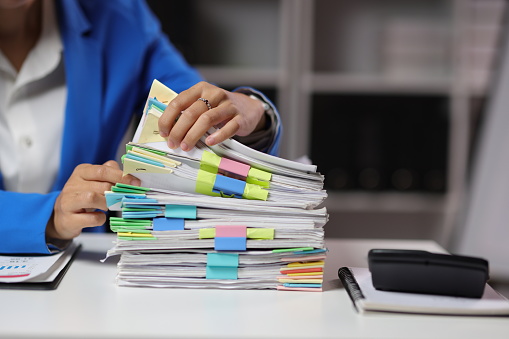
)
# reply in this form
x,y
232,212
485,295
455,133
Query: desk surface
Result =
x,y
88,304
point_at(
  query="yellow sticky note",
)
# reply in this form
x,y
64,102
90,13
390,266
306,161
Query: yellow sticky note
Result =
x,y
303,264
210,162
207,233
152,156
161,92
137,235
255,192
259,177
133,166
304,274
150,131
301,281
205,183
260,233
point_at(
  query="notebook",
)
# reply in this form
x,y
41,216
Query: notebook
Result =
x,y
358,284
37,272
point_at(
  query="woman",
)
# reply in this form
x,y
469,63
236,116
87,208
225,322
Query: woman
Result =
x,y
72,74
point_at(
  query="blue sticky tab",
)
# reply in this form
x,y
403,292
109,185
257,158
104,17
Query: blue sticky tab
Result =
x,y
166,224
180,211
223,259
138,215
136,200
229,244
222,266
145,160
229,186
301,285
217,272
113,198
157,103
157,207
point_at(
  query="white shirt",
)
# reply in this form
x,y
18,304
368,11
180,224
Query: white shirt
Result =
x,y
32,106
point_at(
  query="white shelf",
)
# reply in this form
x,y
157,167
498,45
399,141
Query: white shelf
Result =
x,y
233,76
385,202
373,83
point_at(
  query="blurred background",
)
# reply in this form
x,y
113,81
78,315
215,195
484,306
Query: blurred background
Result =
x,y
386,97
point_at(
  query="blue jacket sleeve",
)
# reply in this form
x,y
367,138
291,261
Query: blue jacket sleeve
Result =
x,y
24,220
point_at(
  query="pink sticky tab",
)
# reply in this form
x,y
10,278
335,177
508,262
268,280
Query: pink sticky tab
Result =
x,y
228,231
233,168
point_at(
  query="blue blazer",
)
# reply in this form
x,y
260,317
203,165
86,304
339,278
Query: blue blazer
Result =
x,y
112,51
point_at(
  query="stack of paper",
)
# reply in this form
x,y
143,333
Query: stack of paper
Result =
x,y
225,216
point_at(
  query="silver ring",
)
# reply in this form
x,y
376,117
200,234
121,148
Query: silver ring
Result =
x,y
206,102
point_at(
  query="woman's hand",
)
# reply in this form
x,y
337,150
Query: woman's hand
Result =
x,y
82,196
188,117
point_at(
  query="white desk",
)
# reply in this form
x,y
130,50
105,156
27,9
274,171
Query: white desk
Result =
x,y
88,304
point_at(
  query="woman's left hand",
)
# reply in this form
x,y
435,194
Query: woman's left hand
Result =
x,y
194,111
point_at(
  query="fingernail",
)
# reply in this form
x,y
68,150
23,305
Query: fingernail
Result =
x,y
210,141
184,147
162,133
171,144
135,182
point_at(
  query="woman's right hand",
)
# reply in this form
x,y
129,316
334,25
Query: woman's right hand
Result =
x,y
82,200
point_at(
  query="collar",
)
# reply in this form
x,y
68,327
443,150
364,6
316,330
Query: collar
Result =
x,y
79,22
46,54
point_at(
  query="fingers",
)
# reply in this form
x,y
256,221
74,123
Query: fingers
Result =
x,y
108,173
82,199
194,115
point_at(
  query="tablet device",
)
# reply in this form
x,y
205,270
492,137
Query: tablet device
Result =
x,y
430,273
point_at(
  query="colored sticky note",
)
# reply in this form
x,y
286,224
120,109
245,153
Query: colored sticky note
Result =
x,y
222,266
238,231
135,189
207,233
255,192
229,186
223,259
229,244
260,233
205,183
232,167
259,177
150,129
217,272
209,162
180,211
113,198
301,285
168,224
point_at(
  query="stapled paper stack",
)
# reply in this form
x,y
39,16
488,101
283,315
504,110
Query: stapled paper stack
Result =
x,y
225,216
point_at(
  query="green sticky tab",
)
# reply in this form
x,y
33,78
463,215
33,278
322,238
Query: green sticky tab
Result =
x,y
180,211
116,221
260,233
255,192
293,249
136,229
207,233
156,108
135,188
259,177
205,183
223,259
210,162
152,150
